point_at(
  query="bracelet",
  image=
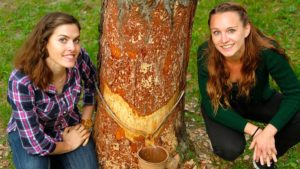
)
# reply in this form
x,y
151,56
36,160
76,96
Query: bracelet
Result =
x,y
255,132
87,123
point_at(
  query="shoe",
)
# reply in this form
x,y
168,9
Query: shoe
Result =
x,y
257,165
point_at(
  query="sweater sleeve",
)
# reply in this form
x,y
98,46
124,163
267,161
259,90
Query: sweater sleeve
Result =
x,y
289,85
227,117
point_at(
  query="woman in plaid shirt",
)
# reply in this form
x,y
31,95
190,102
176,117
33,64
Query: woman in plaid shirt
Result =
x,y
46,129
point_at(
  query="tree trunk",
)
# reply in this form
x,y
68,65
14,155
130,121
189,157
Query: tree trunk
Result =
x,y
143,58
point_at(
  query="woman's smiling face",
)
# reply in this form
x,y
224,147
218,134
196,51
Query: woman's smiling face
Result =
x,y
228,34
63,46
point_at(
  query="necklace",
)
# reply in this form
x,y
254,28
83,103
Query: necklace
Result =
x,y
62,79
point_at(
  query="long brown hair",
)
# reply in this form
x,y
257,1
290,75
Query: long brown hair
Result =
x,y
219,85
31,58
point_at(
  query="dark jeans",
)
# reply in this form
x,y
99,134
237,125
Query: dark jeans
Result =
x,y
83,157
230,144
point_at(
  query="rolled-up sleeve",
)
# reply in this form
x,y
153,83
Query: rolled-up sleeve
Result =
x,y
88,74
34,140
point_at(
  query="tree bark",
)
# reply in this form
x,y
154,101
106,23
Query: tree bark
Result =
x,y
143,58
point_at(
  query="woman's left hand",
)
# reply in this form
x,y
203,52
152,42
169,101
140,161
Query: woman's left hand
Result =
x,y
264,145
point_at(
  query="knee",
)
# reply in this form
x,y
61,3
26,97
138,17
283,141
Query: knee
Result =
x,y
229,153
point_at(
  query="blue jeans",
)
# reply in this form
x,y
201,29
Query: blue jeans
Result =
x,y
83,157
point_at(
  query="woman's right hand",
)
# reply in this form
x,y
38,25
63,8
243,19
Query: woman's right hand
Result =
x,y
264,145
74,136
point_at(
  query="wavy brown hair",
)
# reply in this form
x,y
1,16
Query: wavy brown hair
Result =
x,y
31,58
219,85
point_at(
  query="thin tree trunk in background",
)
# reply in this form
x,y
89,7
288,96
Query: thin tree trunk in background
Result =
x,y
143,57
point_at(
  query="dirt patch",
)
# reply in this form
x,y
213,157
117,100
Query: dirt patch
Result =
x,y
5,154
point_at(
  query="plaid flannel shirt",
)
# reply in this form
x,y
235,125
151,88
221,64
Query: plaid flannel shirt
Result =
x,y
39,116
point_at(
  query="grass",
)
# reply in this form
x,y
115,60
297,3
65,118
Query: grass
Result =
x,y
279,19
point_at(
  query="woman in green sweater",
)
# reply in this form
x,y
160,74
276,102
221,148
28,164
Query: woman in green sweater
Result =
x,y
233,72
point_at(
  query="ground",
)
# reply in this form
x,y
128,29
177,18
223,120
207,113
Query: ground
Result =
x,y
197,152
4,148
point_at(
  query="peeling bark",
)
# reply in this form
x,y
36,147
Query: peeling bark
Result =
x,y
143,57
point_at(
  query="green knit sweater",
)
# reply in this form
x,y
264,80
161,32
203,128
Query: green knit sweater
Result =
x,y
272,64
